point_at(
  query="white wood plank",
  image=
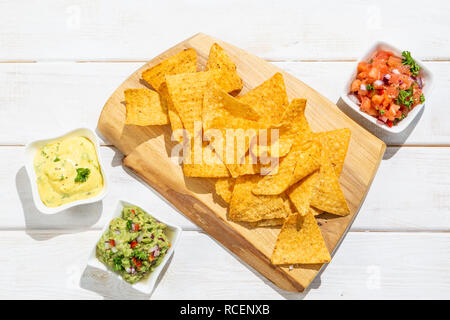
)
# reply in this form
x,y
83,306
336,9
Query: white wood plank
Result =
x,y
368,265
105,29
39,99
410,192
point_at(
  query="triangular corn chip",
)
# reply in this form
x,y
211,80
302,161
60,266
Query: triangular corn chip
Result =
x,y
224,188
336,145
183,62
245,206
301,192
227,77
302,160
300,242
327,194
144,108
269,99
292,123
186,93
205,164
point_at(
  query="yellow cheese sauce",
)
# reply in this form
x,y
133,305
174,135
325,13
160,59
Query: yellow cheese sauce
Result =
x,y
58,179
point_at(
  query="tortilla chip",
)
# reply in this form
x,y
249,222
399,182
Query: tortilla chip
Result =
x,y
336,145
327,194
267,223
244,168
174,118
227,77
245,206
301,192
300,242
269,99
293,122
144,108
222,111
186,93
303,160
315,211
224,188
208,165
183,62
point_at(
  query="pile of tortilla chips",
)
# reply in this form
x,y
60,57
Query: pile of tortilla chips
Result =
x,y
283,180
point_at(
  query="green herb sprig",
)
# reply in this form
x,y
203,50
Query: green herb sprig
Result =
x,y
82,174
408,60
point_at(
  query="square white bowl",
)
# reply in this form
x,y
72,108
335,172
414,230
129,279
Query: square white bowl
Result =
x,y
30,152
427,88
146,285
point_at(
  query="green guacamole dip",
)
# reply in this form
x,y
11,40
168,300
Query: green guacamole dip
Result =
x,y
134,245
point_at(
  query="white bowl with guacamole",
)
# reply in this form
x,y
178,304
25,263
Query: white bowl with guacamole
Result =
x,y
134,247
66,171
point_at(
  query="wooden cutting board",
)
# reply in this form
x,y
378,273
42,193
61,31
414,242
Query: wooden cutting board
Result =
x,y
147,151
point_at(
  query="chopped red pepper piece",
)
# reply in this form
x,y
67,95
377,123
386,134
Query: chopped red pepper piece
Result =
x,y
112,243
389,123
133,244
136,227
137,262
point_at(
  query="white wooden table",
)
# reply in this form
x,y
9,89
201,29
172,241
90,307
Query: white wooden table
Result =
x,y
60,61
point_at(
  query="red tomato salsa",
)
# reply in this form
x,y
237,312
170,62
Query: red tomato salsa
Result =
x,y
388,87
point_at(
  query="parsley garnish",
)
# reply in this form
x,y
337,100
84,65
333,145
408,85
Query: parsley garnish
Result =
x,y
381,112
408,60
369,87
117,263
56,159
422,98
82,174
140,255
405,98
129,224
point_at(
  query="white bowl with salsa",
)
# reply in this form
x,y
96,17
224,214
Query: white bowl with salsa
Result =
x,y
382,86
66,171
148,282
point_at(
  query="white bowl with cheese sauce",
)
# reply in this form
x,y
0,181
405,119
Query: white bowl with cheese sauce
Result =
x,y
34,147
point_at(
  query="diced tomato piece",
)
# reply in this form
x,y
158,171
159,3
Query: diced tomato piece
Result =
x,y
391,92
404,69
362,75
133,244
374,74
112,243
389,123
365,104
394,61
355,85
377,99
383,55
386,101
363,66
137,262
367,107
136,227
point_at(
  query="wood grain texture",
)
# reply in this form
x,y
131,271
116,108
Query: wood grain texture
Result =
x,y
194,197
